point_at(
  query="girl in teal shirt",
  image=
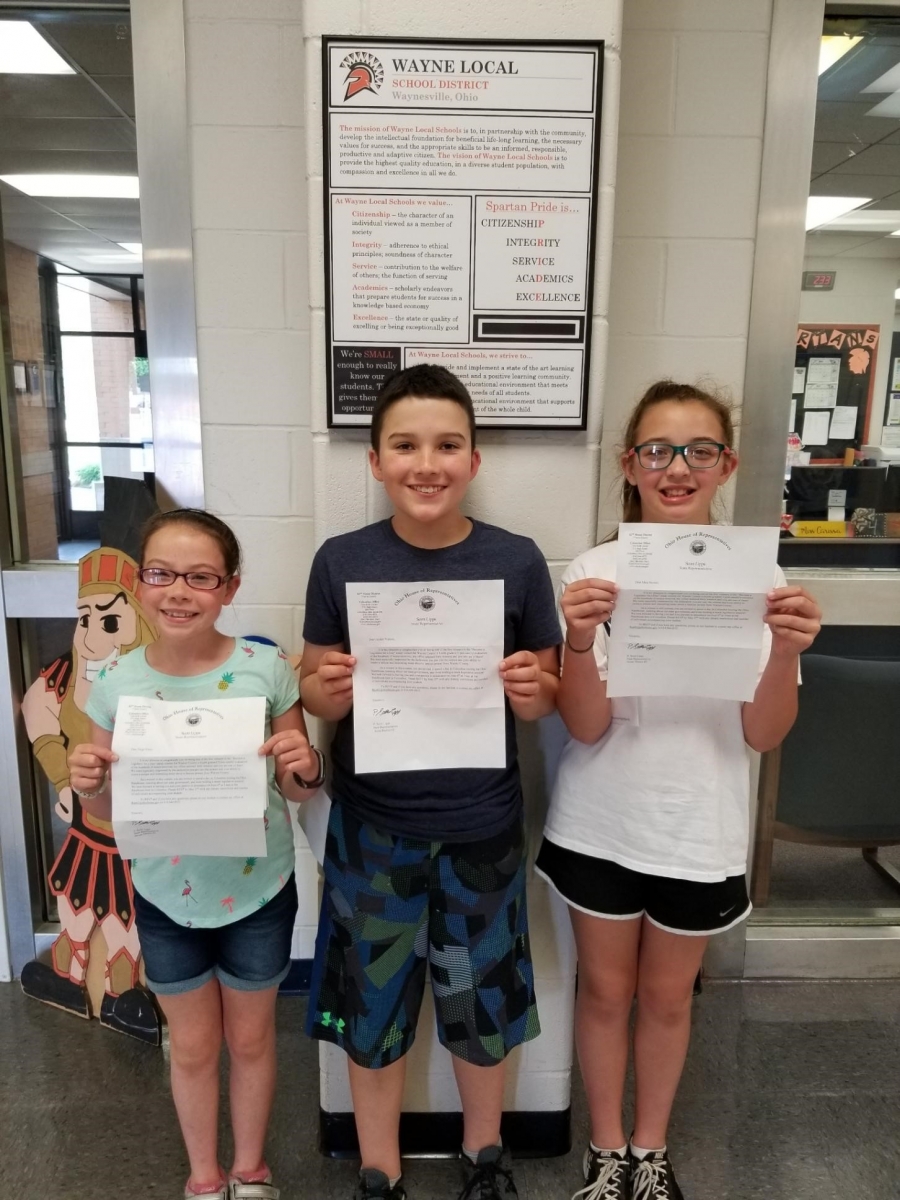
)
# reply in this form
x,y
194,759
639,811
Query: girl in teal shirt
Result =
x,y
215,932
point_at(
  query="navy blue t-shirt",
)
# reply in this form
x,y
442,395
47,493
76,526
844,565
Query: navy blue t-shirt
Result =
x,y
455,804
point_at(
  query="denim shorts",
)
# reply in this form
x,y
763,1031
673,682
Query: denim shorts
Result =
x,y
249,955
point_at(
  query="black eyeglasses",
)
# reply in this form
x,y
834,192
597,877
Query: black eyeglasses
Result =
x,y
699,456
202,581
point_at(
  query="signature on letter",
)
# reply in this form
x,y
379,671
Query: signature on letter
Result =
x,y
386,712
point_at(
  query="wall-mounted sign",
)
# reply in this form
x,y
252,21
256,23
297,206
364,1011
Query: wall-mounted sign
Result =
x,y
818,281
460,209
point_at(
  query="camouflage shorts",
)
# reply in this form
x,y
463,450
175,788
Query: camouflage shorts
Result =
x,y
390,906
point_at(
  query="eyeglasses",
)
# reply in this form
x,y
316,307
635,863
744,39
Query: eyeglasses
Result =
x,y
202,581
699,456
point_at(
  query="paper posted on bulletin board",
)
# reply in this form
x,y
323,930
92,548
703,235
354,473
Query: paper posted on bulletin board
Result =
x,y
834,373
461,195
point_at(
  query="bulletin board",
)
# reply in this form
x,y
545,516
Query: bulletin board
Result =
x,y
834,376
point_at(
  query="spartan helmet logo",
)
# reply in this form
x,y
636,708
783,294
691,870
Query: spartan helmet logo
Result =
x,y
698,547
364,73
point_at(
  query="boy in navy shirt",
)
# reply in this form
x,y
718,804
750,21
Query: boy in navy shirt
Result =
x,y
426,866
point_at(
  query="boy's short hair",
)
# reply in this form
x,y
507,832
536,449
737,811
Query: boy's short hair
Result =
x,y
428,381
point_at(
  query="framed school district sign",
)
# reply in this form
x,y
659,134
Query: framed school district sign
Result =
x,y
460,213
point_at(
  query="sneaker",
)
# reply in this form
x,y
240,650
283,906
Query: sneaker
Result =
x,y
490,1178
652,1178
221,1194
375,1185
607,1176
259,1189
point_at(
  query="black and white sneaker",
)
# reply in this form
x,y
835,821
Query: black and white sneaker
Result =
x,y
607,1176
490,1178
652,1178
375,1185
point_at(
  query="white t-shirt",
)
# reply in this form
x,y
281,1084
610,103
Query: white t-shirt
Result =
x,y
666,790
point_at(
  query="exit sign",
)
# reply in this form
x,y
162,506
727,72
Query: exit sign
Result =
x,y
819,281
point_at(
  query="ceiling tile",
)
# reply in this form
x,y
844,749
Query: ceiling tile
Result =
x,y
51,96
830,154
66,133
890,200
873,186
87,208
874,160
66,162
100,43
845,122
120,89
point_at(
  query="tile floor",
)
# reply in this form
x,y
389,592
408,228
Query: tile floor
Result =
x,y
792,1092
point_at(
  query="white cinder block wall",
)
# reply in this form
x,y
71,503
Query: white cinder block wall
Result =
x,y
693,91
540,484
246,114
690,148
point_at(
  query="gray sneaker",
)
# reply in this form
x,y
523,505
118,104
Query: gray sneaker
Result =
x,y
375,1185
264,1190
490,1178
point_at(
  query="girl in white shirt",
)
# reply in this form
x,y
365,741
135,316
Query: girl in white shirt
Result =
x,y
648,829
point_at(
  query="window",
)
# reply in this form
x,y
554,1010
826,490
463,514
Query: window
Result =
x,y
842,478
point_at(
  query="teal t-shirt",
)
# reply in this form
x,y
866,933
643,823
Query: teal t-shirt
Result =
x,y
191,890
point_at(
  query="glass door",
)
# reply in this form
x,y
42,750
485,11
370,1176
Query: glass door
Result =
x,y
826,861
76,417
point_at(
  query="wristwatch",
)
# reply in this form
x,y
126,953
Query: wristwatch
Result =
x,y
320,777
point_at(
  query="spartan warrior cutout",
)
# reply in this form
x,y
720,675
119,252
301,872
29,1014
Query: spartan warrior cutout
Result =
x,y
91,882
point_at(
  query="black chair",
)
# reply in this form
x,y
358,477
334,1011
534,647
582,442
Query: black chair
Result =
x,y
835,780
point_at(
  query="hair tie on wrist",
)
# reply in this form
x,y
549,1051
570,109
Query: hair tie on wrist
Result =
x,y
575,649
93,795
320,777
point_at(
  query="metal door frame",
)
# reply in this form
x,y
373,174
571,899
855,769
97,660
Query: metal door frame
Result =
x,y
50,590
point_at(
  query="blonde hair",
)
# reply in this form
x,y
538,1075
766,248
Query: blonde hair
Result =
x,y
667,391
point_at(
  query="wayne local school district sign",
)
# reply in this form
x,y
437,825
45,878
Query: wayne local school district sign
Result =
x,y
460,205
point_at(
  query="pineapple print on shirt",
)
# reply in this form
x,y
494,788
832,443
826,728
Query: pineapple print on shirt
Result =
x,y
208,892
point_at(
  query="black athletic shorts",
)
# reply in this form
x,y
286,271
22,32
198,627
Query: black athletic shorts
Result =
x,y
604,889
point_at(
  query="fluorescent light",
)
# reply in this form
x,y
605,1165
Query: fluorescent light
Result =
x,y
822,209
897,294
24,52
833,48
132,247
888,82
888,107
872,221
108,187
